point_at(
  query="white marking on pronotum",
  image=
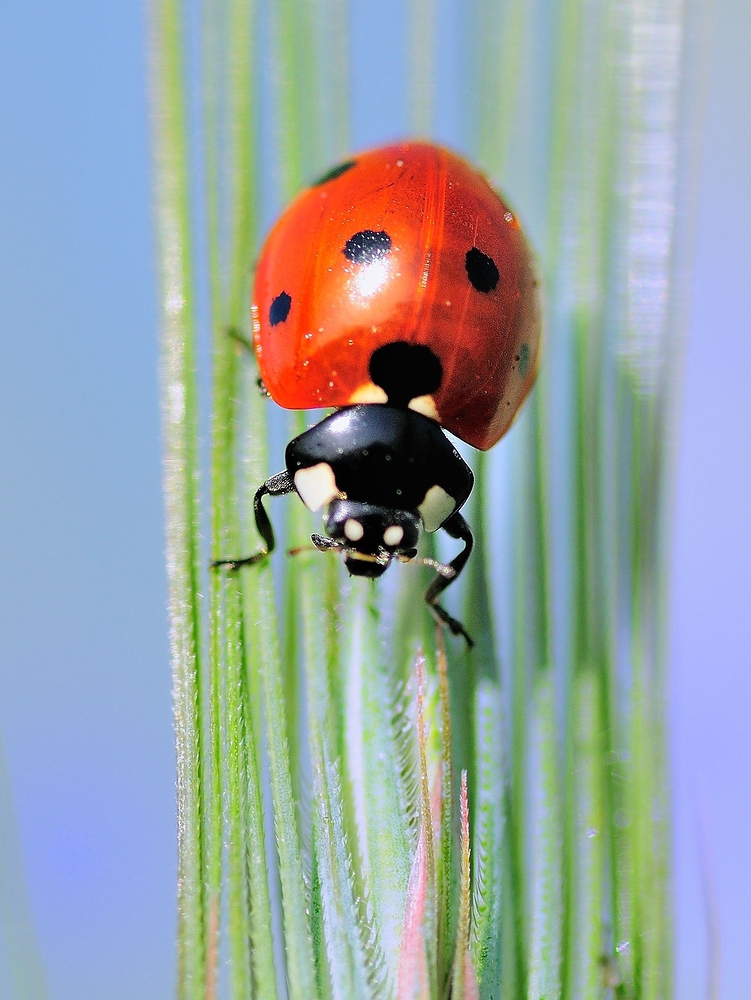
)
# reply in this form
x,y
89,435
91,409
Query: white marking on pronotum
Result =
x,y
316,485
435,508
425,405
393,535
353,529
368,392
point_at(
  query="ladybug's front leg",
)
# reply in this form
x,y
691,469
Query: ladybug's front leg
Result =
x,y
456,527
277,486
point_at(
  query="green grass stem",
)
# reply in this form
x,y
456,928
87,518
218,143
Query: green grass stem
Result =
x,y
328,846
180,425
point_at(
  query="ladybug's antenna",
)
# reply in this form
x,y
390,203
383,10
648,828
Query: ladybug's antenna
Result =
x,y
298,550
321,543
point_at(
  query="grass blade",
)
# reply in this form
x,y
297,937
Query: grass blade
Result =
x,y
301,975
351,969
545,861
372,773
180,475
586,863
465,979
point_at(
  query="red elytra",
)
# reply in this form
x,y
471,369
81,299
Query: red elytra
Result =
x,y
403,243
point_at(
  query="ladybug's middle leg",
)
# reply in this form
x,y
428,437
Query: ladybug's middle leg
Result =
x,y
456,527
247,345
240,338
277,486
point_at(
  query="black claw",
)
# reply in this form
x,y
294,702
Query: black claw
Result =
x,y
455,626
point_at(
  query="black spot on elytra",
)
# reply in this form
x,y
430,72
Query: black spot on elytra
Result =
x,y
366,246
337,171
481,270
405,370
280,307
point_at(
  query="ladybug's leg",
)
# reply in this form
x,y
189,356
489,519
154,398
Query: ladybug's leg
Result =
x,y
240,337
457,527
277,486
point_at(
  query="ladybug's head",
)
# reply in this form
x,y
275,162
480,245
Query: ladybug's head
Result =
x,y
370,536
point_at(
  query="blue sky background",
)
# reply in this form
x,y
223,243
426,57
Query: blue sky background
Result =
x,y
84,677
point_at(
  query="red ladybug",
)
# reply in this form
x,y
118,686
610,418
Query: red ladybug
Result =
x,y
400,289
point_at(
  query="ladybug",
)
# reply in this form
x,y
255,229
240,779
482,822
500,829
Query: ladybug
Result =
x,y
399,289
